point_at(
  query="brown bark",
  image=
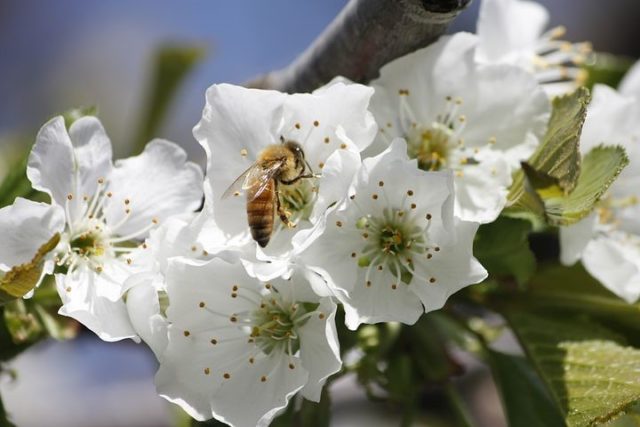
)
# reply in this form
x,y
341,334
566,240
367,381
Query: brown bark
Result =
x,y
364,36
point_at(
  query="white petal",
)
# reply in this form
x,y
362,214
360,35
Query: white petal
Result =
x,y
341,113
92,153
453,268
24,227
143,308
615,262
319,349
337,175
611,119
630,85
502,102
481,189
575,238
51,162
381,302
507,27
246,401
107,319
158,183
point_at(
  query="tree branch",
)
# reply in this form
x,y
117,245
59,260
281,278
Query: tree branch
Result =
x,y
364,36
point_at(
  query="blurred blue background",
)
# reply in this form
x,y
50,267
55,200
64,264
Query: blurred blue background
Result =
x,y
55,55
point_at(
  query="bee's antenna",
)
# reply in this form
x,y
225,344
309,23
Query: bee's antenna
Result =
x,y
281,139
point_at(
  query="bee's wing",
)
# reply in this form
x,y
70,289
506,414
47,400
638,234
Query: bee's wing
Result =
x,y
255,178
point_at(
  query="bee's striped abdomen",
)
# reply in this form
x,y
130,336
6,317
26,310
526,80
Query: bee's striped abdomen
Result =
x,y
260,213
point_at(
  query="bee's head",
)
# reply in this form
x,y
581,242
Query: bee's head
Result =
x,y
297,151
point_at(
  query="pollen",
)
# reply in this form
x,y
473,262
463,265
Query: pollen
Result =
x,y
234,288
129,261
68,289
374,196
263,378
321,316
154,220
368,284
226,375
251,360
394,286
403,92
381,183
326,140
353,254
428,217
233,319
410,193
292,366
202,304
432,280
244,152
127,201
321,165
213,341
69,196
343,146
236,193
316,123
413,206
207,371
194,248
297,125
100,181
186,333
339,223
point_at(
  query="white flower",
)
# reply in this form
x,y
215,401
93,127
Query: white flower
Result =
x,y
100,211
238,349
512,32
476,120
332,125
608,241
394,250
630,85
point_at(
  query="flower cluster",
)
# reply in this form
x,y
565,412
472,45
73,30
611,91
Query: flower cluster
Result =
x,y
368,197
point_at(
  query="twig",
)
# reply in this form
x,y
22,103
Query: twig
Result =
x,y
364,36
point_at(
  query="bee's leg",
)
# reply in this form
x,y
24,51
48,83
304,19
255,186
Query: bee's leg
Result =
x,y
282,213
298,178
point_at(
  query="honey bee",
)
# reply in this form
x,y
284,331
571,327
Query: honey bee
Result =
x,y
276,164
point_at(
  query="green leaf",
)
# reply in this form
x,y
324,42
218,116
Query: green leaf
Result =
x,y
15,183
558,155
591,373
171,65
525,400
601,167
502,247
572,290
21,279
606,69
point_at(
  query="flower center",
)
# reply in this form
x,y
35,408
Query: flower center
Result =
x,y
430,146
88,238
392,242
297,199
275,324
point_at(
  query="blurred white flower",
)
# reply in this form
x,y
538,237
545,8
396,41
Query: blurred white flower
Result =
x,y
393,249
332,125
513,32
239,349
608,241
100,211
478,121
